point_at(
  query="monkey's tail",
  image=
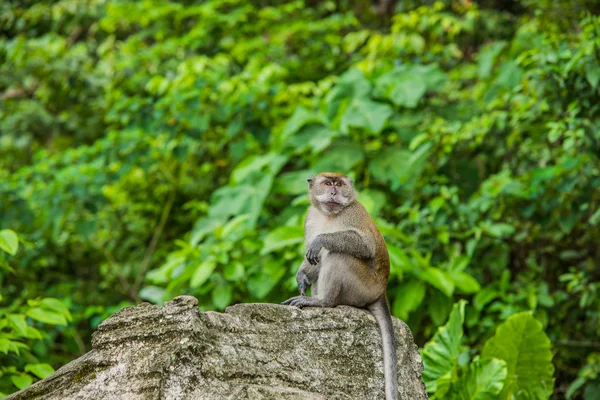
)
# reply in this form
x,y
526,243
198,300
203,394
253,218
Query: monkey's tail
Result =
x,y
380,310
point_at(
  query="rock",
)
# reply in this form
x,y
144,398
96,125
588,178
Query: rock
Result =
x,y
252,351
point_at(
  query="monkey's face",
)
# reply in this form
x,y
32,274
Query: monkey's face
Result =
x,y
331,193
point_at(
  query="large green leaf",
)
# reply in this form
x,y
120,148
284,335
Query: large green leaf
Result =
x,y
483,381
439,354
522,343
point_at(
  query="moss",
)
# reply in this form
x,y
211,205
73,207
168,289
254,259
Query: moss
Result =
x,y
87,372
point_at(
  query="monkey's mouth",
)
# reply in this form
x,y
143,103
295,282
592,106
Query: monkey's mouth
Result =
x,y
332,203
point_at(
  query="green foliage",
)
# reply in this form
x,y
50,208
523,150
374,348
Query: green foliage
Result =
x,y
516,363
589,376
19,333
156,148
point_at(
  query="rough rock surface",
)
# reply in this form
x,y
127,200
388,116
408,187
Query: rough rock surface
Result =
x,y
252,351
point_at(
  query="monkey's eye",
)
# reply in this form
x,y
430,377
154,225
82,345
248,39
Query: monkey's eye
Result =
x,y
338,184
328,183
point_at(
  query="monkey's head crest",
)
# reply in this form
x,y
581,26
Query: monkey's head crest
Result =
x,y
330,175
331,192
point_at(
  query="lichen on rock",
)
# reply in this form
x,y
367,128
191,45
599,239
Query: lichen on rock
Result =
x,y
252,351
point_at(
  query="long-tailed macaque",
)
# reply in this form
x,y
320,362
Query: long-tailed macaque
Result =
x,y
347,261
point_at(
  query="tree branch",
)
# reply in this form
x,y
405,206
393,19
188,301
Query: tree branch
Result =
x,y
154,242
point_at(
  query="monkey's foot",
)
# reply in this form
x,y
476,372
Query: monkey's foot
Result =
x,y
303,301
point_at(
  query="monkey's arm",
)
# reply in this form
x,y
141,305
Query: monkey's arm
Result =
x,y
306,275
347,242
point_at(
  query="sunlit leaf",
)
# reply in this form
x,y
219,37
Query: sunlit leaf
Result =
x,y
47,316
40,370
58,306
4,345
17,322
9,241
439,279
465,282
21,380
202,272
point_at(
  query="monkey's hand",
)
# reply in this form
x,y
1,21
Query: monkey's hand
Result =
x,y
303,282
312,255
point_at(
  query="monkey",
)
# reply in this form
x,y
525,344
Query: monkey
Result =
x,y
346,261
